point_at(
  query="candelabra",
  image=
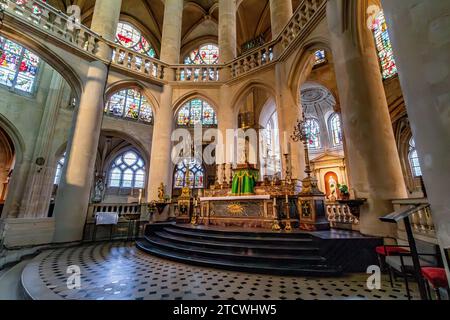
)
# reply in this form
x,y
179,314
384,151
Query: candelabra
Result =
x,y
301,134
311,199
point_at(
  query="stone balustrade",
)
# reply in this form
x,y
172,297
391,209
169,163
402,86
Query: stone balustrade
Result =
x,y
53,22
137,63
300,21
59,25
123,209
252,60
197,73
421,220
339,215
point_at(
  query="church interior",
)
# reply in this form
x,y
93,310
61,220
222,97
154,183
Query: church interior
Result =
x,y
224,149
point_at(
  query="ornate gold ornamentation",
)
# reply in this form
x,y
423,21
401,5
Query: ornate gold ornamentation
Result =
x,y
236,209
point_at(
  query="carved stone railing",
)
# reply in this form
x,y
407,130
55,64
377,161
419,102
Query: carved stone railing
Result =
x,y
300,21
123,209
421,220
197,73
53,22
137,63
339,216
252,60
50,21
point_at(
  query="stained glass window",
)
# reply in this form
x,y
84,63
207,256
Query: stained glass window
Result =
x,y
384,47
196,111
130,104
335,129
18,66
127,171
313,132
131,38
414,159
59,169
320,57
206,54
196,174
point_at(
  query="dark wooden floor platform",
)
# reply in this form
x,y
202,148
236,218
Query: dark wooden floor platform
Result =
x,y
322,253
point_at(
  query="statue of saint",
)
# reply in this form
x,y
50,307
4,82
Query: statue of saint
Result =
x,y
161,192
98,190
332,184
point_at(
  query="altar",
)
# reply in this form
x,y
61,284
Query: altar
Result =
x,y
266,209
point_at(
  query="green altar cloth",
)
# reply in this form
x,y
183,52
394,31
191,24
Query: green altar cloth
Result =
x,y
244,182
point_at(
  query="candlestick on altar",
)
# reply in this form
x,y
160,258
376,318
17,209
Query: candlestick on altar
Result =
x,y
276,225
288,226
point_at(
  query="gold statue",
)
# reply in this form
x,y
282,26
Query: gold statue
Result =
x,y
161,192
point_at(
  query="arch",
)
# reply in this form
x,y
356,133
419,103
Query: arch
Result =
x,y
267,111
129,139
51,58
198,42
207,112
133,84
181,101
130,102
15,137
303,64
245,90
146,33
195,57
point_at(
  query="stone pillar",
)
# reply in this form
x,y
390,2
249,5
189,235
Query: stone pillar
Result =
x,y
74,191
39,186
374,166
161,161
227,34
171,34
227,120
280,14
420,37
289,111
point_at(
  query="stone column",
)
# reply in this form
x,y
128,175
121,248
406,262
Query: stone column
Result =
x,y
420,36
74,191
374,166
161,162
227,120
227,34
171,34
289,111
280,14
39,186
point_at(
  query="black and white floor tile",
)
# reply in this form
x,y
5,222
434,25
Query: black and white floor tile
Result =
x,y
119,271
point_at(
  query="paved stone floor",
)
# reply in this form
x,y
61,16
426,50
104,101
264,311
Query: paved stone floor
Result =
x,y
120,271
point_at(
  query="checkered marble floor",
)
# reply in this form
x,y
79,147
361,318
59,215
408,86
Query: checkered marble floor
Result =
x,y
116,271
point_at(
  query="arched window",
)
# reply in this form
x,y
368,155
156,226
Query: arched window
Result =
x,y
414,159
196,111
313,132
59,168
335,128
127,171
130,104
131,38
320,57
384,46
206,54
18,66
196,174
270,148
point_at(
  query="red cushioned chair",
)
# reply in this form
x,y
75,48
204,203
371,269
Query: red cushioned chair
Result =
x,y
437,279
386,251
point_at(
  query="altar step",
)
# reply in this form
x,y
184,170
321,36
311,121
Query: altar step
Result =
x,y
264,252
